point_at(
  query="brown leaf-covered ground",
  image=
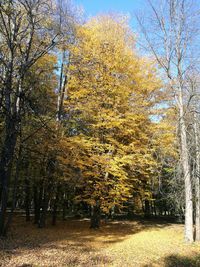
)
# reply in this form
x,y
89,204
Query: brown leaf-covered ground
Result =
x,y
121,243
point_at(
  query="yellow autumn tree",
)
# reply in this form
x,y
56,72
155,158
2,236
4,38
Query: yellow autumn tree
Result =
x,y
112,94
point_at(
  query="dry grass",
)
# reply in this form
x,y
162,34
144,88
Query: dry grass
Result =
x,y
72,243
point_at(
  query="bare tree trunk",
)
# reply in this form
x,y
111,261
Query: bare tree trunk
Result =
x,y
43,213
5,169
55,206
95,217
62,86
64,203
173,29
197,182
147,212
45,204
189,236
27,199
16,178
36,205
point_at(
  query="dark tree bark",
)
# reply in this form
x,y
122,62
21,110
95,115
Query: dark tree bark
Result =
x,y
27,199
147,212
43,212
154,208
14,193
36,205
17,60
95,217
44,206
5,168
64,203
55,206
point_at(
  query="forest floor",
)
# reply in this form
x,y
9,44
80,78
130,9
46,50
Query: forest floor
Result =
x,y
118,243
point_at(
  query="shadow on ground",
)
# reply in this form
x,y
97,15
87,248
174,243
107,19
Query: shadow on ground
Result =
x,y
180,261
77,232
71,241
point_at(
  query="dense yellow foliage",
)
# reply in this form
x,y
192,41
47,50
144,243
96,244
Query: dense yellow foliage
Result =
x,y
112,93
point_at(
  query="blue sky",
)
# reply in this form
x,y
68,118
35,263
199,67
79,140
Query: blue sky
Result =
x,y
94,7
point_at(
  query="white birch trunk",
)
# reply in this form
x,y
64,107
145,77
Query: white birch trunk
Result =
x,y
186,172
197,182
